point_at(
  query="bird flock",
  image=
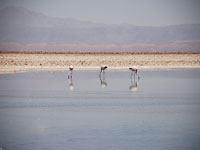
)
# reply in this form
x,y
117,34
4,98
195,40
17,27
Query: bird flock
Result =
x,y
134,77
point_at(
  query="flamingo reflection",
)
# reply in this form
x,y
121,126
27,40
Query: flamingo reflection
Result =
x,y
70,82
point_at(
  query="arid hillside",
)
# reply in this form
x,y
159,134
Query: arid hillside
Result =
x,y
171,46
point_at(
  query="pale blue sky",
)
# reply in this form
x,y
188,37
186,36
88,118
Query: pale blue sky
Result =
x,y
136,12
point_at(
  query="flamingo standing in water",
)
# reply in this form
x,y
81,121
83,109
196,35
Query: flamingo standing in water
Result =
x,y
134,81
103,68
102,77
70,71
135,71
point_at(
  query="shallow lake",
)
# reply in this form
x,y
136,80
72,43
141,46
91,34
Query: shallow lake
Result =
x,y
46,110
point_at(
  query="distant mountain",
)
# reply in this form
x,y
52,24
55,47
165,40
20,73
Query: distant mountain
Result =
x,y
25,30
18,24
172,46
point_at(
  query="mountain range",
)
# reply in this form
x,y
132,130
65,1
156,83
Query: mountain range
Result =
x,y
20,25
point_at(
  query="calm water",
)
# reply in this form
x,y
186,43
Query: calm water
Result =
x,y
45,110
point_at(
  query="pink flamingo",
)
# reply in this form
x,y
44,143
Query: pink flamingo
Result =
x,y
102,76
103,68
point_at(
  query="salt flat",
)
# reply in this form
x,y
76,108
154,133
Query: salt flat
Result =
x,y
20,62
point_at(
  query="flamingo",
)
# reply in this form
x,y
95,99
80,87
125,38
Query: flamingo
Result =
x,y
103,68
70,71
135,71
134,81
102,77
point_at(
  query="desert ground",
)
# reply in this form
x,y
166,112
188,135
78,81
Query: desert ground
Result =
x,y
22,62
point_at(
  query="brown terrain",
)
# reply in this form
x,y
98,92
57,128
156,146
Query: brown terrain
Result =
x,y
20,62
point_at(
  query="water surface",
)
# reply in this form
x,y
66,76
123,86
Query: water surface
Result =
x,y
47,110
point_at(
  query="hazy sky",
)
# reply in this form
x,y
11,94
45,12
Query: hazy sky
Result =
x,y
137,12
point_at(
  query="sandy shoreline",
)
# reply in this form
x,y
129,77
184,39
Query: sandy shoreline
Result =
x,y
23,62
